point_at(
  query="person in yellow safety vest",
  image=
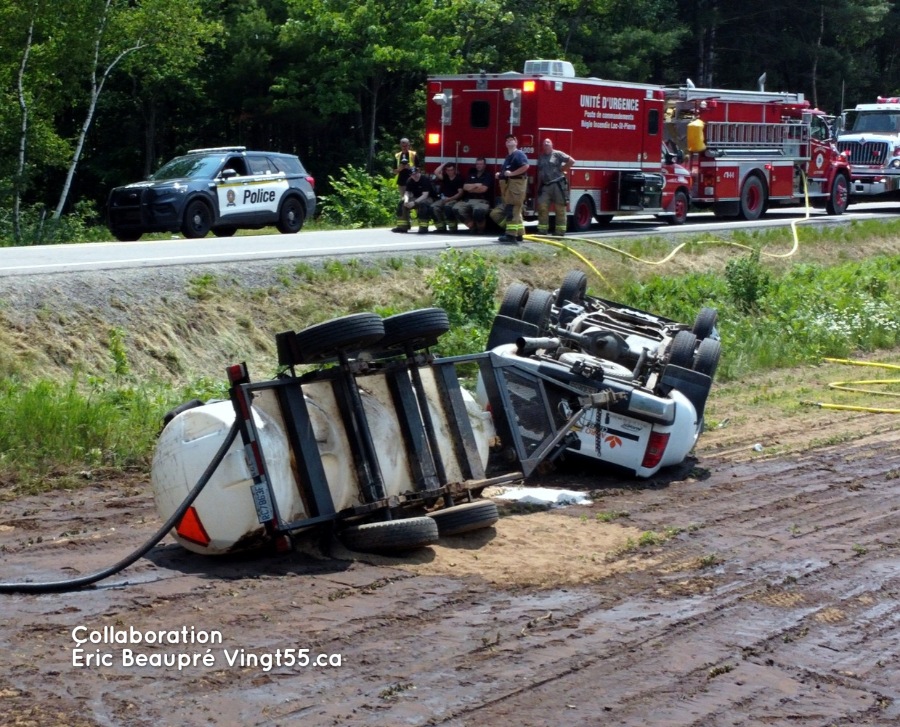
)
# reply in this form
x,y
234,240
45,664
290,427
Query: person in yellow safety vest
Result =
x,y
513,187
405,161
553,190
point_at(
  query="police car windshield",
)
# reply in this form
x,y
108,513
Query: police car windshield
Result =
x,y
197,166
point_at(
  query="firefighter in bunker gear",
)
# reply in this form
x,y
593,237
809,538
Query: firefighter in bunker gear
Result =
x,y
405,160
478,192
553,169
416,201
513,187
444,210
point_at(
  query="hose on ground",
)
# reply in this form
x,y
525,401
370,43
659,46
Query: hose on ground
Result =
x,y
856,386
76,583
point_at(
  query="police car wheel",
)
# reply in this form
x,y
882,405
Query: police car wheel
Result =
x,y
290,220
197,220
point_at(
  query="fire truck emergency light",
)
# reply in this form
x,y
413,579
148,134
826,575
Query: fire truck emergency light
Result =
x,y
434,138
528,86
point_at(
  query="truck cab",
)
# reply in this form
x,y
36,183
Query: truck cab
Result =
x,y
870,137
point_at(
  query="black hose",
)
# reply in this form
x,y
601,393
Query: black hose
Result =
x,y
74,583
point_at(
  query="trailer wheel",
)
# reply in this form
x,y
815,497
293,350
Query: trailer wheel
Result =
x,y
466,517
582,215
538,308
753,198
573,288
322,342
681,351
417,329
707,359
680,204
391,536
705,322
839,199
514,300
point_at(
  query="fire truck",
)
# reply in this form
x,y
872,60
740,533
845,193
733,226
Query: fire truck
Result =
x,y
613,130
747,150
629,141
870,137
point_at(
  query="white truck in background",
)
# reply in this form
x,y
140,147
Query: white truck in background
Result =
x,y
870,138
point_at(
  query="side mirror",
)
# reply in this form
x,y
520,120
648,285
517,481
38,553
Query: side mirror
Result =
x,y
228,173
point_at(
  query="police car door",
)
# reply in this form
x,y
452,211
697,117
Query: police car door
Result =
x,y
254,194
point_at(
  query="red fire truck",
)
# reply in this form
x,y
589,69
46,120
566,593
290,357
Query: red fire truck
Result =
x,y
746,150
626,138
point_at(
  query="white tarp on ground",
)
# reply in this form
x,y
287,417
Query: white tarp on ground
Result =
x,y
546,496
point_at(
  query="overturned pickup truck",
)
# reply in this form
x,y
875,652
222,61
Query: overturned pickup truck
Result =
x,y
368,433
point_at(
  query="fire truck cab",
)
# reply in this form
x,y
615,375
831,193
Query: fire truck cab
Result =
x,y
747,150
614,131
871,139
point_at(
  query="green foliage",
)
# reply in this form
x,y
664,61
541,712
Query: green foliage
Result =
x,y
464,285
747,281
360,199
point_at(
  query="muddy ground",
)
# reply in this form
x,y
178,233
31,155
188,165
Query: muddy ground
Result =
x,y
742,588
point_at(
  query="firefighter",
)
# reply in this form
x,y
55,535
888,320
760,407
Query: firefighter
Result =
x,y
553,170
478,190
405,161
444,210
513,187
417,199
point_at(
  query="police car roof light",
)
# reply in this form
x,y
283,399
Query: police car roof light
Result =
x,y
213,149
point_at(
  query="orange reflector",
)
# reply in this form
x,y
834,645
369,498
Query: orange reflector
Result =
x,y
434,138
190,528
528,86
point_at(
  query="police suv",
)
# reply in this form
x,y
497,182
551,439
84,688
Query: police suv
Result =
x,y
220,189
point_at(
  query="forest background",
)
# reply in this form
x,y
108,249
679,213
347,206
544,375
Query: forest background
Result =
x,y
97,93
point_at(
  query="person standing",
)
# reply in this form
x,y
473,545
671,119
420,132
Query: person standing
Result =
x,y
478,191
513,186
418,196
405,160
553,170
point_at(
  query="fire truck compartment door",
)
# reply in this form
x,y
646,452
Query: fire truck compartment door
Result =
x,y
485,116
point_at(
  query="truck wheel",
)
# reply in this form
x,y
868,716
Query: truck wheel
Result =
x,y
466,517
583,215
707,359
197,220
538,308
290,219
573,288
681,351
753,198
416,328
839,199
391,536
514,300
680,204
322,342
705,322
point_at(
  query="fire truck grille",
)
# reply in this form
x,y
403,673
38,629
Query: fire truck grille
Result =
x,y
870,153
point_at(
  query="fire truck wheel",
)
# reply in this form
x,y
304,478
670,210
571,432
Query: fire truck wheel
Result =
x,y
197,220
582,215
514,300
538,308
322,342
705,322
707,359
680,206
413,330
681,351
466,517
753,198
573,288
839,198
391,536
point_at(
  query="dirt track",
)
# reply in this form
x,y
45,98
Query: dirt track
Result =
x,y
771,596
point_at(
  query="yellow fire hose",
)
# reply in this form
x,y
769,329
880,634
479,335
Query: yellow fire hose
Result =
x,y
856,386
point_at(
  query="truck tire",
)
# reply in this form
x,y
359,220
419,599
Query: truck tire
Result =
x,y
322,342
680,205
416,329
466,517
291,216
705,322
538,308
753,198
582,215
391,536
514,300
197,220
573,288
839,198
681,350
707,359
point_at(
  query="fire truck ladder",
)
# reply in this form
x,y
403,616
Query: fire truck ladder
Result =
x,y
790,140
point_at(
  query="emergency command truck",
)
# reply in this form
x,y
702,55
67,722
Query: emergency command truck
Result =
x,y
746,150
871,139
629,141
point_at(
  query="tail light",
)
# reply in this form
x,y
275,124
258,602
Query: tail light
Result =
x,y
312,181
190,528
656,448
